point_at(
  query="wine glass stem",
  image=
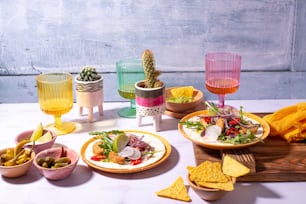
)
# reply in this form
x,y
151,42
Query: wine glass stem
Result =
x,y
132,104
57,121
221,100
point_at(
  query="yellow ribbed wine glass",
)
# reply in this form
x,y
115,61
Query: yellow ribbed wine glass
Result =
x,y
55,96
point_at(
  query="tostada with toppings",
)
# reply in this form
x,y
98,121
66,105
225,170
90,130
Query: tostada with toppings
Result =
x,y
125,151
225,128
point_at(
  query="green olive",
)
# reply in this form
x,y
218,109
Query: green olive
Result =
x,y
63,160
59,165
50,161
45,165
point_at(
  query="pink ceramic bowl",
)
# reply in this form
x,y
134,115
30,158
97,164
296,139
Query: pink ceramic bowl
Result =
x,y
16,170
38,146
56,173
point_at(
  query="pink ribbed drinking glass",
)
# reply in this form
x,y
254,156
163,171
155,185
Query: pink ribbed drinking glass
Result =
x,y
222,71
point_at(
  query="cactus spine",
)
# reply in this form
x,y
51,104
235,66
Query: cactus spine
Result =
x,y
151,73
89,74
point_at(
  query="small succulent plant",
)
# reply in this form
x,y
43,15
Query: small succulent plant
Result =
x,y
89,74
151,74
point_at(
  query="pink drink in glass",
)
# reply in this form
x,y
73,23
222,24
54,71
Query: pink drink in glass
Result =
x,y
222,71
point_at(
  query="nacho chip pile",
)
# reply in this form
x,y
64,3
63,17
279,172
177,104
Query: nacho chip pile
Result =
x,y
209,174
185,91
288,122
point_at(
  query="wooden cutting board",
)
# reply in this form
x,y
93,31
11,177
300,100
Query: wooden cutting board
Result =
x,y
275,160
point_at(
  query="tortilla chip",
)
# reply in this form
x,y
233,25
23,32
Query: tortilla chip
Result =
x,y
227,186
208,172
186,91
234,168
209,175
190,168
177,191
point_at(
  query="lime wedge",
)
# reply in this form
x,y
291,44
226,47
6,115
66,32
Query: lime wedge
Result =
x,y
37,133
45,138
120,142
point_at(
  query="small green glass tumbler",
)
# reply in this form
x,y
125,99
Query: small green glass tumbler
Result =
x,y
128,71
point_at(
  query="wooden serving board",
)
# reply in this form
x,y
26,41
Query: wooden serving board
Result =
x,y
275,160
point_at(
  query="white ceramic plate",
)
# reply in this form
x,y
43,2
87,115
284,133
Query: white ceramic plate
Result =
x,y
195,137
160,144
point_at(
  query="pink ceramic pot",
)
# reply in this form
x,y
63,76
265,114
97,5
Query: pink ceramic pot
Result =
x,y
88,95
149,102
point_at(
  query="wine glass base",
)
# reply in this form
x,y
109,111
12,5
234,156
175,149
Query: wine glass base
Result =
x,y
127,112
66,128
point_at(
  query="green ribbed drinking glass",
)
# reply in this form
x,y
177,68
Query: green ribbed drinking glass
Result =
x,y
129,71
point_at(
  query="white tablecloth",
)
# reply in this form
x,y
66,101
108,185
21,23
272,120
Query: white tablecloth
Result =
x,y
86,185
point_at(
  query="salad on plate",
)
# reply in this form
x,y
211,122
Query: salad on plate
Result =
x,y
129,150
227,126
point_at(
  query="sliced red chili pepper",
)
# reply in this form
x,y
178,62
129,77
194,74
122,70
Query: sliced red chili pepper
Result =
x,y
63,152
136,161
98,157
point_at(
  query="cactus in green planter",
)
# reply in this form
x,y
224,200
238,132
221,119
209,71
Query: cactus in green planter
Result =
x,y
151,74
89,74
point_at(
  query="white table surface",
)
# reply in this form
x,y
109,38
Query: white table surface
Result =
x,y
86,185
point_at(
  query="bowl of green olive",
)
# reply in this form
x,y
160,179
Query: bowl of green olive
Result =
x,y
56,163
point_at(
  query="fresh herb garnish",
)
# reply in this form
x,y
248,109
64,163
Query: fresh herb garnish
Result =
x,y
238,139
242,119
115,132
106,141
193,125
106,145
212,108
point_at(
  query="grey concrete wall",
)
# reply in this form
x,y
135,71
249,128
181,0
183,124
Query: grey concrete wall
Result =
x,y
63,35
